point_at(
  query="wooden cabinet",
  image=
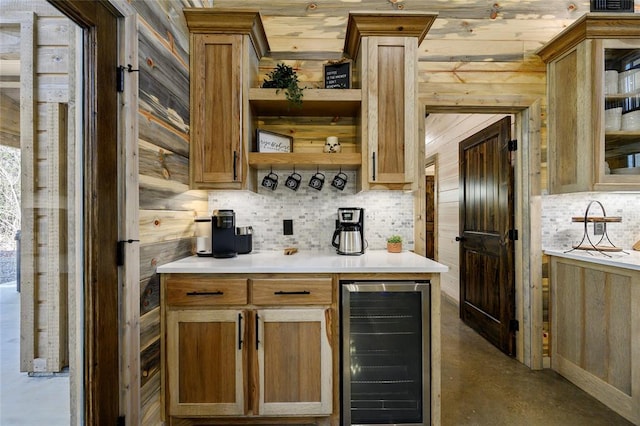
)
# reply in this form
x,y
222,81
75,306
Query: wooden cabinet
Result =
x,y
589,148
294,361
385,46
205,361
241,348
225,51
595,333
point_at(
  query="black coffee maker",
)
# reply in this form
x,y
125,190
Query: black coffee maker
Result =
x,y
223,234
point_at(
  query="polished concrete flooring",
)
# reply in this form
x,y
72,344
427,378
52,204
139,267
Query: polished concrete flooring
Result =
x,y
480,385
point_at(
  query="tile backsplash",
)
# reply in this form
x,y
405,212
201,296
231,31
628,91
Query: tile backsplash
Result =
x,y
314,213
558,232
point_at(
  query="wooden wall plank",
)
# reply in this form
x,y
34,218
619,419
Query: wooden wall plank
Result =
x,y
161,163
164,135
55,273
10,123
150,362
156,226
149,328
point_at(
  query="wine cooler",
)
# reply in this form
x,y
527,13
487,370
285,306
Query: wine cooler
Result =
x,y
385,352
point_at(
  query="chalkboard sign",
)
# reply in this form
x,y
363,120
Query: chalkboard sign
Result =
x,y
337,76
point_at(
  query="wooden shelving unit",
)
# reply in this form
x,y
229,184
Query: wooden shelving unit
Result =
x,y
303,161
315,103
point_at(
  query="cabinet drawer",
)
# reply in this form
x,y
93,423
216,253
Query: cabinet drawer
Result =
x,y
206,292
309,291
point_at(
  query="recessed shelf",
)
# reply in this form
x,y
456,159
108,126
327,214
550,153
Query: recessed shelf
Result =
x,y
304,161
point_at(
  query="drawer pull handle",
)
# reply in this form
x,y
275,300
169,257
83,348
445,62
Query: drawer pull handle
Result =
x,y
281,293
205,293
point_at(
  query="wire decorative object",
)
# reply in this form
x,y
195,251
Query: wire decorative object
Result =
x,y
604,244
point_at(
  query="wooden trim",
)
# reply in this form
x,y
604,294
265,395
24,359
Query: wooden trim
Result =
x,y
230,21
591,26
100,228
515,104
373,23
128,182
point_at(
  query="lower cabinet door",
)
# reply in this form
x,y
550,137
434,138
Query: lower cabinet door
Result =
x,y
294,362
205,372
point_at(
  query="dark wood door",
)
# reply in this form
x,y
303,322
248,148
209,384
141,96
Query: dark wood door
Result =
x,y
430,217
487,297
100,227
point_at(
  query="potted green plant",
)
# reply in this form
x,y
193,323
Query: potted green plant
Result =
x,y
284,77
394,244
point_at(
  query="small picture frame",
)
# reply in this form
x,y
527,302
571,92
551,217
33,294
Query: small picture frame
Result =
x,y
272,142
337,75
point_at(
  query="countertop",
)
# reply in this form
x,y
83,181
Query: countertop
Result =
x,y
617,259
372,261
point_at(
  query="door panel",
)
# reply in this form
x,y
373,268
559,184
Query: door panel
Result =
x,y
294,362
100,227
205,363
487,298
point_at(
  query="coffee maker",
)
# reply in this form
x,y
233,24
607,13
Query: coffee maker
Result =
x,y
223,234
348,237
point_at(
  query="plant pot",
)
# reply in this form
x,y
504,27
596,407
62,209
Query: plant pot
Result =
x,y
394,247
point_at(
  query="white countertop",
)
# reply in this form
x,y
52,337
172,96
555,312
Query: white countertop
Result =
x,y
617,259
378,261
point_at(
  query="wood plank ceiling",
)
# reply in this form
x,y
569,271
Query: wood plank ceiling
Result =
x,y
466,30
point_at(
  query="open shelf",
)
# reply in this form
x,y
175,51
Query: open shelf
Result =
x,y
315,103
304,161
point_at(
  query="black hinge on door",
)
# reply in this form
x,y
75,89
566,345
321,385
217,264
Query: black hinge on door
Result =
x,y
121,421
120,76
514,325
512,145
120,251
513,234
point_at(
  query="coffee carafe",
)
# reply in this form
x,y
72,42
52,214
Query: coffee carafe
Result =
x,y
223,234
348,238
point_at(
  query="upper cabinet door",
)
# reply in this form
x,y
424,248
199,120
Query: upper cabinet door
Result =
x,y
216,125
391,116
593,70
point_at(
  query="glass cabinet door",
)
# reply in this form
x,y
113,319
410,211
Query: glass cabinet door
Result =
x,y
622,110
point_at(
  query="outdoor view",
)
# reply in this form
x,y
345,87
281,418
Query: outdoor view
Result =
x,y
9,212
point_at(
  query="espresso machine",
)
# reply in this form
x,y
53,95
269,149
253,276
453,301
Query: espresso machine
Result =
x,y
348,237
223,234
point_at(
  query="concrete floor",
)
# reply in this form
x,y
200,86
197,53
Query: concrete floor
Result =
x,y
480,385
24,400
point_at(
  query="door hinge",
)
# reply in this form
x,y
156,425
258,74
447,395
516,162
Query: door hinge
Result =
x,y
514,325
120,76
512,145
120,251
121,421
513,234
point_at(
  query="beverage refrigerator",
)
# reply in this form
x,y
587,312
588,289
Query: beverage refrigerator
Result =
x,y
385,353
